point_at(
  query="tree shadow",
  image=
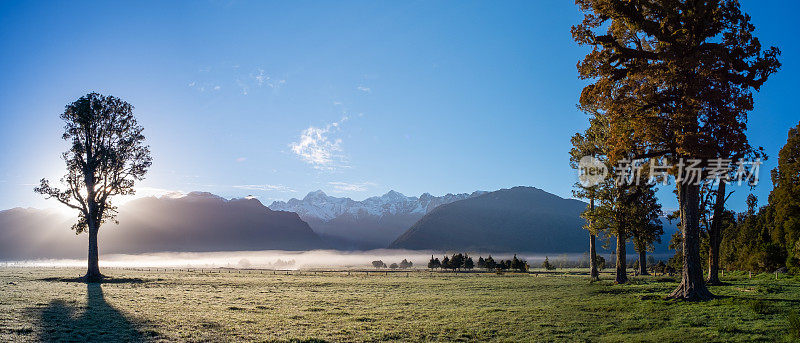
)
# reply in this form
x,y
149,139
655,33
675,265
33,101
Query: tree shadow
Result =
x,y
97,322
104,280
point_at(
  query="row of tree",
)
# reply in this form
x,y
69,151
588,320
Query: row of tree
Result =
x,y
463,261
667,82
404,264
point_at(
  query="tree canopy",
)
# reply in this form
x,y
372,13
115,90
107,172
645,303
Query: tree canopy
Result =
x,y
673,79
106,157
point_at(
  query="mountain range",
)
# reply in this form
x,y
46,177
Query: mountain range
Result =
x,y
520,219
196,221
368,224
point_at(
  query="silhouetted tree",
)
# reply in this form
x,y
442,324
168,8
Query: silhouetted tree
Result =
x,y
434,263
446,263
378,264
546,264
518,264
457,261
107,156
481,262
393,266
404,264
490,263
468,263
502,265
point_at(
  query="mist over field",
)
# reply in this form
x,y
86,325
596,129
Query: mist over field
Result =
x,y
405,171
269,259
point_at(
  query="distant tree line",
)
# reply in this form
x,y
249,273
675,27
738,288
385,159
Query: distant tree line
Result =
x,y
768,238
463,261
404,264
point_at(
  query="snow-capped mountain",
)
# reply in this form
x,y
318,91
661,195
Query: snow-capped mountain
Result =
x,y
371,223
319,205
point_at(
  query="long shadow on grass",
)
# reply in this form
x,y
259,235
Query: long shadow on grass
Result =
x,y
98,322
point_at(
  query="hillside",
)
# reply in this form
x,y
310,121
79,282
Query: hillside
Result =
x,y
517,219
194,222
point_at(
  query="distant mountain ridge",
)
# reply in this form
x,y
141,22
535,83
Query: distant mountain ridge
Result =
x,y
519,219
197,221
371,223
508,220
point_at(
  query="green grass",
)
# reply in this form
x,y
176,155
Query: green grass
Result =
x,y
37,305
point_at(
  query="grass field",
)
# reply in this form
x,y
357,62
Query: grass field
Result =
x,y
41,305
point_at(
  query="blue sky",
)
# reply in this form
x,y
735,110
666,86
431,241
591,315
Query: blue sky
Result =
x,y
276,99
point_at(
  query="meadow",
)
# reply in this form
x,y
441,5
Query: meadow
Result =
x,y
47,304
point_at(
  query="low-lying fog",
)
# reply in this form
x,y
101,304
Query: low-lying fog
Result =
x,y
272,259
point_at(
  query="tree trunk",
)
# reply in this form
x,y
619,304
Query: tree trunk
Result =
x,y
693,286
643,262
593,273
622,275
715,236
93,270
93,222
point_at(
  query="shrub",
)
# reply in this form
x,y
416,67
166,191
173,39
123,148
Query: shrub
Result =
x,y
546,264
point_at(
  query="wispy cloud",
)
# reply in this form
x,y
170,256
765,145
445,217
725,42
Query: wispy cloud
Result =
x,y
317,148
262,79
241,159
351,187
204,86
364,89
242,86
234,77
266,188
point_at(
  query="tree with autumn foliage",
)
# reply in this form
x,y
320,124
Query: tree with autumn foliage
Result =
x,y
625,208
673,78
627,212
586,144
